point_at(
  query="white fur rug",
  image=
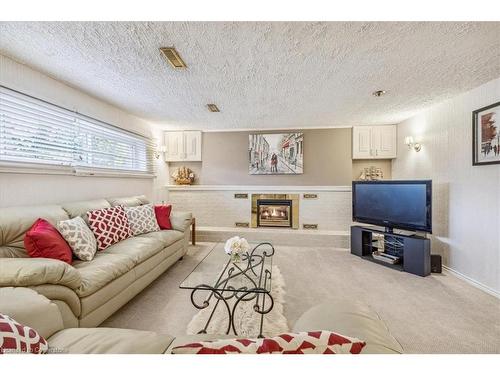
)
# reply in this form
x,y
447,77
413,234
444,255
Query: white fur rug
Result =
x,y
247,321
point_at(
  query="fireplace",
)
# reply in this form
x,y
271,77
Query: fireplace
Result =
x,y
275,210
274,213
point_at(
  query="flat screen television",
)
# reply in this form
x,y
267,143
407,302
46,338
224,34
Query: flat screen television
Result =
x,y
393,204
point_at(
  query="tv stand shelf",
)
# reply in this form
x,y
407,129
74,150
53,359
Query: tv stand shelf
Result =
x,y
414,250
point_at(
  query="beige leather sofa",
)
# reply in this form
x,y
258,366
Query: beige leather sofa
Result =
x,y
86,293
30,308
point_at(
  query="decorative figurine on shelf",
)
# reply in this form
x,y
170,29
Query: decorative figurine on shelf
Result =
x,y
371,174
235,247
183,176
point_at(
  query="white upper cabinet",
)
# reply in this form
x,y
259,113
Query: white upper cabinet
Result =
x,y
183,146
192,145
361,142
374,142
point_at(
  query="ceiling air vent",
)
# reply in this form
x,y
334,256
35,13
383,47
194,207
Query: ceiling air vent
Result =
x,y
213,108
173,57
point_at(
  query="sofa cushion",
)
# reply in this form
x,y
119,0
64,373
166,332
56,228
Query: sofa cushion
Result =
x,y
314,342
166,237
80,208
15,221
18,338
103,269
109,225
13,252
79,237
142,219
137,249
134,201
109,341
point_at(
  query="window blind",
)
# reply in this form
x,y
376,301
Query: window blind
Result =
x,y
39,133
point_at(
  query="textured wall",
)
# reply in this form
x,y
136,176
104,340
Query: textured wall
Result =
x,y
18,189
466,199
327,160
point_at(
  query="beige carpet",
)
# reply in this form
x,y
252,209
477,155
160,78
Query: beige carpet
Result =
x,y
436,314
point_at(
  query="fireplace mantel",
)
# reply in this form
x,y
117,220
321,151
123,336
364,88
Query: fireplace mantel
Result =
x,y
257,188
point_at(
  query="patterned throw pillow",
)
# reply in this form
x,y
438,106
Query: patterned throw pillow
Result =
x,y
318,342
18,338
109,225
142,219
79,237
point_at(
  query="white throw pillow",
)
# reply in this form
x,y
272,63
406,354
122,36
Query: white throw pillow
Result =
x,y
79,237
142,219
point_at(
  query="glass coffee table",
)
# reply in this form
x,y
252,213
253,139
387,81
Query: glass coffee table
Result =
x,y
218,280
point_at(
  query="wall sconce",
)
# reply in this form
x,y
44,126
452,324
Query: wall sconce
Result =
x,y
412,144
159,151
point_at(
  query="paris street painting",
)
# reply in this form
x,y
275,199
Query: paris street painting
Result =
x,y
276,153
486,135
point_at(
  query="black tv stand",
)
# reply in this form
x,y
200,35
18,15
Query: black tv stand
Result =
x,y
415,250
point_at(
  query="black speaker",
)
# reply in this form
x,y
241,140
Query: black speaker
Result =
x,y
436,264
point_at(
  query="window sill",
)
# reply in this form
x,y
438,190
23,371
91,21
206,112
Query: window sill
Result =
x,y
49,169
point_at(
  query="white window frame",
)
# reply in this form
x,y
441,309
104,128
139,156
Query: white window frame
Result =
x,y
124,158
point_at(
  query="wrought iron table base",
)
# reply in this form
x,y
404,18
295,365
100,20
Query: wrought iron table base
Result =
x,y
223,291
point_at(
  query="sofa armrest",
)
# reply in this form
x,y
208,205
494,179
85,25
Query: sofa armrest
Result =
x,y
353,319
181,220
37,271
31,309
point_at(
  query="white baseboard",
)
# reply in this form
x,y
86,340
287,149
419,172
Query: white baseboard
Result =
x,y
473,282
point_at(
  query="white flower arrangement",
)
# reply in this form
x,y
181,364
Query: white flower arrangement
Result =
x,y
235,246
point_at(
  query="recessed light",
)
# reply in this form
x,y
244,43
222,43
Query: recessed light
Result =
x,y
173,57
379,93
213,108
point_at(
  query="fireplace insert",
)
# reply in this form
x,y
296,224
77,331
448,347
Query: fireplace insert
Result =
x,y
274,213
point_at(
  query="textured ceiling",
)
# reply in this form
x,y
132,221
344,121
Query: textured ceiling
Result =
x,y
262,74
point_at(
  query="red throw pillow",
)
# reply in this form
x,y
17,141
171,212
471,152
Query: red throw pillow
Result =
x,y
43,240
109,225
17,338
162,214
317,342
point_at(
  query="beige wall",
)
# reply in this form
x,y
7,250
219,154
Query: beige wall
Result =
x,y
359,165
466,198
28,189
327,160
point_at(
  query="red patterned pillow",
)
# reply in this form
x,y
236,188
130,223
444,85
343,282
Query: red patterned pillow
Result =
x,y
18,338
318,342
109,225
